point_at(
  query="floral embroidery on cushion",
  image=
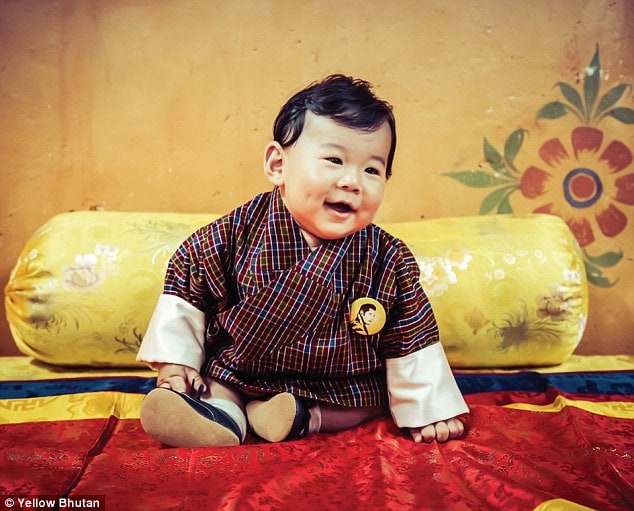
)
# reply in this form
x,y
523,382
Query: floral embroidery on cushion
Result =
x,y
476,319
89,270
159,237
520,328
438,273
84,274
556,305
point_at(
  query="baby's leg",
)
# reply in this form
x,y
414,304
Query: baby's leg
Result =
x,y
215,389
228,399
287,417
339,418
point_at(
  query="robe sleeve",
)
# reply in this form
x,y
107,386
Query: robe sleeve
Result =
x,y
194,279
412,324
175,334
422,388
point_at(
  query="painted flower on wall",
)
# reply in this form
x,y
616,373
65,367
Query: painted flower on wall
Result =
x,y
585,179
589,176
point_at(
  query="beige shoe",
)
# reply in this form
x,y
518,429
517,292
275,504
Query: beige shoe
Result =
x,y
179,420
281,418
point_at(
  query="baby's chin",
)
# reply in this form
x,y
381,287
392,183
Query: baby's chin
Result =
x,y
316,239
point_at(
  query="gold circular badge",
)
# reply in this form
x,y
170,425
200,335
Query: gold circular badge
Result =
x,y
367,316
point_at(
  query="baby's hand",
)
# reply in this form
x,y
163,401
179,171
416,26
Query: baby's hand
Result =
x,y
178,377
441,431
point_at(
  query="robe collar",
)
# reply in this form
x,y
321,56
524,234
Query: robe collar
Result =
x,y
282,246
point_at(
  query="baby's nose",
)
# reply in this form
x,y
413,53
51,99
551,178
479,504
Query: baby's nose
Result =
x,y
349,179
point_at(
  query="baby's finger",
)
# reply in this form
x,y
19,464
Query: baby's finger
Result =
x,y
442,431
456,428
173,382
428,433
416,436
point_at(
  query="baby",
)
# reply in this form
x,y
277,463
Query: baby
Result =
x,y
294,314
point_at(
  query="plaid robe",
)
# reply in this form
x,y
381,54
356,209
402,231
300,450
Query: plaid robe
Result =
x,y
277,314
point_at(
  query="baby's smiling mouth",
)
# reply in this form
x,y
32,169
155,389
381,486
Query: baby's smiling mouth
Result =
x,y
340,207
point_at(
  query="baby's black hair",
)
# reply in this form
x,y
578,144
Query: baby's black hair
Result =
x,y
346,100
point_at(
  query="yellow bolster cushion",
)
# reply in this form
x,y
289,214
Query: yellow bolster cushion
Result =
x,y
506,290
86,283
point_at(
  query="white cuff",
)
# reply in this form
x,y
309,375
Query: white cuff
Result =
x,y
422,388
175,334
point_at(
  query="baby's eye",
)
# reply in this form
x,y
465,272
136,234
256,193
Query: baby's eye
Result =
x,y
336,161
373,171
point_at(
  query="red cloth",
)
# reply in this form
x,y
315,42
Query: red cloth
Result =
x,y
509,460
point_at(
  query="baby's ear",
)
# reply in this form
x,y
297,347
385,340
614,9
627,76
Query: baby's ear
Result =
x,y
274,158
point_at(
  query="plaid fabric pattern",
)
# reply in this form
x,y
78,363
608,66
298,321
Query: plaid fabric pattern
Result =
x,y
278,313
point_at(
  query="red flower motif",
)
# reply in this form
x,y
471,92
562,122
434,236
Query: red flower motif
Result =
x,y
588,182
533,182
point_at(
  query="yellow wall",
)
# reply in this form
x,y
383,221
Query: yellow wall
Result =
x,y
162,105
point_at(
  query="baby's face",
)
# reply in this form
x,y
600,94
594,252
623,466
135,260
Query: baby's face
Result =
x,y
333,178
